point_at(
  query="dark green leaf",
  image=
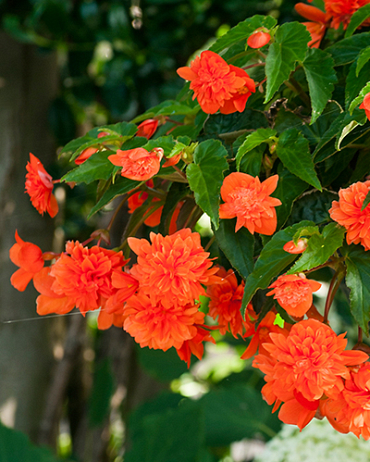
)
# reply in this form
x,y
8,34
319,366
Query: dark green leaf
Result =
x,y
168,108
242,31
320,248
357,19
289,47
175,194
251,163
262,135
271,262
346,51
293,150
362,59
125,129
120,187
333,166
238,247
355,83
164,366
97,167
101,393
358,281
313,206
206,176
321,77
358,100
165,142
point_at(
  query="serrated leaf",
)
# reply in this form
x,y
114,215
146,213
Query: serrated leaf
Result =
x,y
124,129
237,247
262,135
271,262
251,163
313,206
362,59
305,231
206,176
289,47
321,77
357,262
120,187
358,100
242,31
96,167
167,143
320,248
346,51
293,150
357,19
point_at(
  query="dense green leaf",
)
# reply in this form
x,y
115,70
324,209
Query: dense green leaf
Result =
x,y
363,58
313,206
358,100
357,261
289,47
162,365
238,247
242,31
293,150
321,77
120,187
101,393
355,83
251,163
346,51
165,142
271,262
357,19
362,168
320,248
175,194
333,166
97,167
262,135
168,108
358,119
206,176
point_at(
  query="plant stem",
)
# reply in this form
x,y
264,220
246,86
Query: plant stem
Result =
x,y
295,86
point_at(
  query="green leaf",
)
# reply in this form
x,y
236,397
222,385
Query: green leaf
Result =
x,y
252,162
289,47
242,31
320,248
165,142
366,201
293,150
354,83
163,366
313,206
206,176
96,167
357,19
358,119
262,135
346,51
362,59
321,77
120,187
358,100
168,108
101,393
125,129
175,194
357,261
271,262
237,247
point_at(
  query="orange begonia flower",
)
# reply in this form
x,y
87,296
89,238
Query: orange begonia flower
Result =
x,y
301,246
157,326
138,164
319,21
147,128
137,200
259,38
88,152
249,200
39,186
225,303
294,293
341,11
366,105
195,345
173,268
28,257
214,82
126,286
347,212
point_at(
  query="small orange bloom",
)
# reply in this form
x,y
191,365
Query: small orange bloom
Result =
x,y
157,326
225,303
347,212
259,38
147,128
249,200
39,186
317,25
301,246
366,105
126,287
195,345
138,164
214,82
28,257
137,200
294,293
172,268
341,11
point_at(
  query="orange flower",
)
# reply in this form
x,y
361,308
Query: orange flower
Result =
x,y
238,101
126,287
147,128
249,200
347,212
225,302
173,268
341,11
214,82
84,275
294,293
39,185
138,164
158,326
28,257
88,152
301,246
137,200
317,25
195,345
366,105
259,38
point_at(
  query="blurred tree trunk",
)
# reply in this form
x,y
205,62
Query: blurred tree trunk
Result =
x,y
28,83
